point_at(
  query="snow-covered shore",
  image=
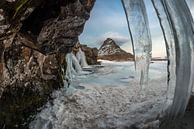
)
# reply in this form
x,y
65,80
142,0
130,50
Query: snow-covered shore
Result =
x,y
107,99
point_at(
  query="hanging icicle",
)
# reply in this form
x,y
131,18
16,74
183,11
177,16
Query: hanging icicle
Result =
x,y
170,50
140,35
82,58
76,64
176,21
70,71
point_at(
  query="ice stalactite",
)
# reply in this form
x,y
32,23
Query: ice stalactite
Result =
x,y
140,35
176,21
70,71
76,64
170,50
190,4
82,58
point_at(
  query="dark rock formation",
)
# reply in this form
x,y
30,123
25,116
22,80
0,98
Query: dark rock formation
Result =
x,y
35,36
91,53
111,51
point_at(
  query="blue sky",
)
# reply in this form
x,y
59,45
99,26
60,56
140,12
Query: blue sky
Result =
x,y
108,21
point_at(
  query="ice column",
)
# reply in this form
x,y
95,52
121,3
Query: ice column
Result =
x,y
140,35
76,64
82,58
170,49
176,21
190,4
70,72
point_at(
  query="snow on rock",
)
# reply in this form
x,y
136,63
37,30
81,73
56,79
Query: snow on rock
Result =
x,y
111,51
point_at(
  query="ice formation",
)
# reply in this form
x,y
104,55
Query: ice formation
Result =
x,y
140,36
76,64
177,25
176,18
70,71
82,58
170,49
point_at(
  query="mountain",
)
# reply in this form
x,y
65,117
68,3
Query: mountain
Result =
x,y
111,51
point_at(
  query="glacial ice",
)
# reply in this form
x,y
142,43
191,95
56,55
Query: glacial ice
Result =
x,y
140,36
176,21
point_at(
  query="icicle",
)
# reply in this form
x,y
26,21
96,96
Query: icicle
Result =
x,y
76,64
190,4
176,22
170,50
140,35
70,72
82,58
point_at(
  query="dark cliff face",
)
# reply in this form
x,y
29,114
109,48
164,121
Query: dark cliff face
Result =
x,y
35,36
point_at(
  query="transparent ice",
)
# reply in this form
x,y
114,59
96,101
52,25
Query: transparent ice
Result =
x,y
140,36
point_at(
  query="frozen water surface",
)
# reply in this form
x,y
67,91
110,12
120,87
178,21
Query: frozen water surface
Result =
x,y
107,98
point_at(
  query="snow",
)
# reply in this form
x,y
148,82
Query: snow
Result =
x,y
108,98
108,50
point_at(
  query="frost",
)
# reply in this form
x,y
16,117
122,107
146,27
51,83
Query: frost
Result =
x,y
140,35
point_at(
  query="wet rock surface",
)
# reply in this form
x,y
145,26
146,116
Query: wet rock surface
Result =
x,y
34,39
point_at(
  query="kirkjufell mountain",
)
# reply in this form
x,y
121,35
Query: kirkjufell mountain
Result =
x,y
111,51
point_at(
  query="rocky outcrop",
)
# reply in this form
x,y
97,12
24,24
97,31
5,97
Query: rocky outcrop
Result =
x,y
91,53
34,39
111,51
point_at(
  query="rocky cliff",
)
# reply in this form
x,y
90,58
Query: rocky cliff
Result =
x,y
35,36
111,51
91,53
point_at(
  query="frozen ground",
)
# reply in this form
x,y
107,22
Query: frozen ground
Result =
x,y
109,98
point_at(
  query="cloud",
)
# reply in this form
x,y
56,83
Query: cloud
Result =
x,y
117,37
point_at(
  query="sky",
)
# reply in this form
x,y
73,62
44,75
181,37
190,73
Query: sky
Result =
x,y
108,20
